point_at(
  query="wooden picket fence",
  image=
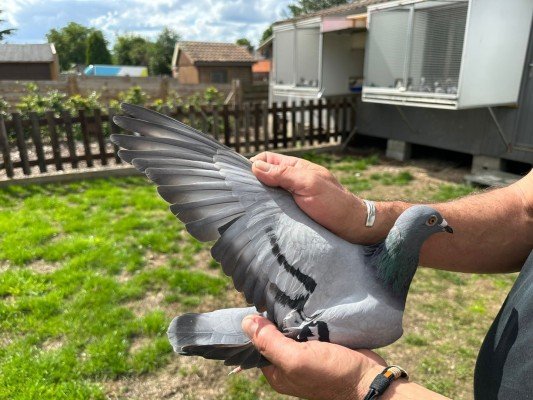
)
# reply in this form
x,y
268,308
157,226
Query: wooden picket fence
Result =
x,y
32,145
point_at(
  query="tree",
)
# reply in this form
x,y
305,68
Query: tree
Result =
x,y
132,49
97,52
309,6
162,51
245,42
266,34
5,32
70,43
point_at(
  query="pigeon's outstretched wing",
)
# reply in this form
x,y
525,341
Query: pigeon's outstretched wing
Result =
x,y
266,244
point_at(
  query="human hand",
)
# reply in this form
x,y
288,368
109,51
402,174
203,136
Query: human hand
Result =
x,y
316,191
313,369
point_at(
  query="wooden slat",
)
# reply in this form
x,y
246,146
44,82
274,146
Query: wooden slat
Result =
x,y
216,121
205,123
264,117
237,124
227,128
344,118
54,139
246,125
21,143
320,127
192,116
336,128
328,120
301,132
71,143
275,123
284,121
114,128
257,126
311,134
293,123
100,135
86,139
4,146
37,141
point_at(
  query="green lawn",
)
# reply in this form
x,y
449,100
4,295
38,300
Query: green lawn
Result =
x,y
92,272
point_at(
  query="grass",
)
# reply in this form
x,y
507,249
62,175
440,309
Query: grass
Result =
x,y
92,272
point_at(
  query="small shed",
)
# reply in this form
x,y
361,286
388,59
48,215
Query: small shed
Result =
x,y
209,62
320,54
28,62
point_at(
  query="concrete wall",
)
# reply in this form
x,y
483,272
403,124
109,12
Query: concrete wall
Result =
x,y
109,87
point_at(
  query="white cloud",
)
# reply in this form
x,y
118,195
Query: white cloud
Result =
x,y
206,20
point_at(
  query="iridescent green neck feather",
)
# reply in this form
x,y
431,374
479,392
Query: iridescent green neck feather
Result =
x,y
396,262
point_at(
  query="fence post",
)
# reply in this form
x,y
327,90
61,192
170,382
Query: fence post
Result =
x,y
71,144
265,124
100,135
237,119
36,136
320,121
4,145
328,120
284,124
344,118
311,122
246,127
113,128
301,130
293,123
21,144
85,134
225,115
215,121
275,124
257,125
56,150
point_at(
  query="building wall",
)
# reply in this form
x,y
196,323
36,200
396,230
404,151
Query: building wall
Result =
x,y
185,71
109,87
188,75
472,131
27,71
244,74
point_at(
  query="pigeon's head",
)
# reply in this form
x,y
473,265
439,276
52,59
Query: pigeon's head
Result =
x,y
420,222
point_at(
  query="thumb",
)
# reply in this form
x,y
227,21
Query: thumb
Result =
x,y
285,176
266,337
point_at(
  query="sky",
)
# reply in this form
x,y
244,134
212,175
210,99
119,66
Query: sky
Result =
x,y
203,20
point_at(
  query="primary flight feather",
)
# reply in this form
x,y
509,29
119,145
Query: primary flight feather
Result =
x,y
312,284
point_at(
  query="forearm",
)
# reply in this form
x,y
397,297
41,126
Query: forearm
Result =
x,y
493,231
398,390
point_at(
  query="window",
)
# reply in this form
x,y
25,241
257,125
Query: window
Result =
x,y
307,56
417,47
219,76
284,57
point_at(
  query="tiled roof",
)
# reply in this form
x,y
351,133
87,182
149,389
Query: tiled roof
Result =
x,y
15,53
210,52
261,66
355,7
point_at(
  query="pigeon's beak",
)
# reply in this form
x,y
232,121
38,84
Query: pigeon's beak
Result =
x,y
445,227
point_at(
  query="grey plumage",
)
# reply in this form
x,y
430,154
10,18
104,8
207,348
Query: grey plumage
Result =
x,y
309,282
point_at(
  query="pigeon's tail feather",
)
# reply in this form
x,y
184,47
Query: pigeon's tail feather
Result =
x,y
216,335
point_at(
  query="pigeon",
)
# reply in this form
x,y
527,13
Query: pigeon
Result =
x,y
312,284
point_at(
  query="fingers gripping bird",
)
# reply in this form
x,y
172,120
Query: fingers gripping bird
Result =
x,y
311,283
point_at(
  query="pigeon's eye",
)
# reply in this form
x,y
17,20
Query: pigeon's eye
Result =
x,y
431,221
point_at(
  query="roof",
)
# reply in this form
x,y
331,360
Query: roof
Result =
x,y
354,7
261,66
27,53
211,52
